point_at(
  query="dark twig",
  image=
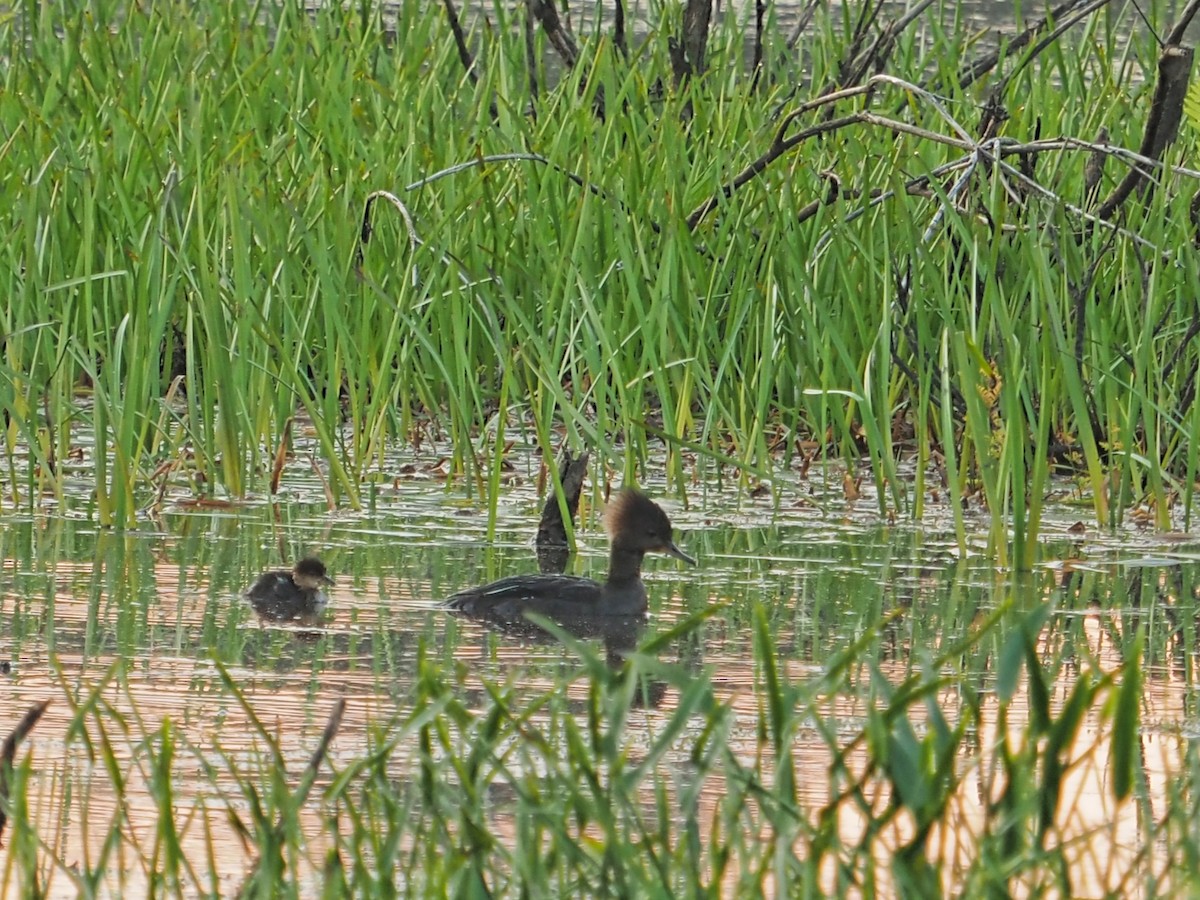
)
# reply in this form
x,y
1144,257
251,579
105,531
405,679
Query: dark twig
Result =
x,y
1162,125
806,16
867,14
996,148
1175,35
782,143
327,736
460,41
562,41
995,152
976,70
873,59
619,30
531,56
464,54
1059,30
855,61
760,12
564,45
778,148
8,752
914,187
1133,158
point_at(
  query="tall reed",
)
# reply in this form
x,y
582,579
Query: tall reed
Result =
x,y
189,180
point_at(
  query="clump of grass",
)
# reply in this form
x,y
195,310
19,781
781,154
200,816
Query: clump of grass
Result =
x,y
188,185
855,779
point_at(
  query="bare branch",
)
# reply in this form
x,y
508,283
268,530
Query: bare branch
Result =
x,y
561,39
327,736
806,16
752,171
531,56
619,29
1175,35
1162,125
1059,30
875,56
982,66
782,143
460,41
8,751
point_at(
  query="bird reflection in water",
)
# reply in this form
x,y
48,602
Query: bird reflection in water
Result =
x,y
619,636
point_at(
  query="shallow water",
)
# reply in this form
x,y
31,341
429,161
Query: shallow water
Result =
x,y
129,628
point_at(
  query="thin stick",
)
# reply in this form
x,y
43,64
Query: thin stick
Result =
x,y
881,48
1175,36
306,782
982,66
619,30
561,39
802,23
1162,125
8,752
1062,28
783,142
531,57
460,41
327,736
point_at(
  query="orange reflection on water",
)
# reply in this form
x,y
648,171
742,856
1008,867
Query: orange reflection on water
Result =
x,y
74,803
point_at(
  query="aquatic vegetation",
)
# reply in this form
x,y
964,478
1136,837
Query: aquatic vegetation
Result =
x,y
648,776
823,708
254,245
188,265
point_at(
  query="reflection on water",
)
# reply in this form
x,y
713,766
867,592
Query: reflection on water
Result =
x,y
123,631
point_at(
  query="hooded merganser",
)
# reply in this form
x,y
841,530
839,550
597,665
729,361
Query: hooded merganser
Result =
x,y
635,525
553,549
296,595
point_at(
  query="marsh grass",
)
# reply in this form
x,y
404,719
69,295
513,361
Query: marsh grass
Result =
x,y
475,784
182,267
186,187
868,720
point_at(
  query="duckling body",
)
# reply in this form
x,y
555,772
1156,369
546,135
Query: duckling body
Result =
x,y
283,596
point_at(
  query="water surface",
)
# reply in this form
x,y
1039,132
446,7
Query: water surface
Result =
x,y
129,628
